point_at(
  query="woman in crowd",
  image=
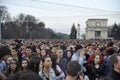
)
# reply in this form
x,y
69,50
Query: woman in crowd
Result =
x,y
69,55
8,62
95,69
13,69
47,73
59,73
38,52
52,50
43,53
24,65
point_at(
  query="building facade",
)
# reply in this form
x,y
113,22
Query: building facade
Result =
x,y
96,29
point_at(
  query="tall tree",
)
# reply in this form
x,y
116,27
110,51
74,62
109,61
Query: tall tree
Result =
x,y
4,15
73,33
115,31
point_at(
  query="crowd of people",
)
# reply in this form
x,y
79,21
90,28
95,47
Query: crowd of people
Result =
x,y
59,60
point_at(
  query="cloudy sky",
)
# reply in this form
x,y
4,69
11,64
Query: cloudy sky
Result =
x,y
59,15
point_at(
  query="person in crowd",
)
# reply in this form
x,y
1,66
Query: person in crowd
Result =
x,y
47,73
38,52
53,50
94,51
110,49
4,54
8,63
82,61
40,65
27,75
76,55
14,54
74,71
28,51
59,73
109,52
43,53
19,54
8,60
24,65
13,69
62,62
95,70
69,55
115,70
23,51
34,64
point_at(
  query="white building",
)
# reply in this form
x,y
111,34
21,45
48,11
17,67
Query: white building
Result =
x,y
96,29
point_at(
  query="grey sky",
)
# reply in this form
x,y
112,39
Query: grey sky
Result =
x,y
59,17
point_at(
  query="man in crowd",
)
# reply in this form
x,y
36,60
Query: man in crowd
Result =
x,y
74,71
115,72
62,62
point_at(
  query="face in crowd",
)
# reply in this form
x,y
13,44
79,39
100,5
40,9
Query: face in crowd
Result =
x,y
24,63
47,62
13,64
97,59
59,52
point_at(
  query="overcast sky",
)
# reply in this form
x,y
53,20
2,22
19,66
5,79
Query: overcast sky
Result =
x,y
59,15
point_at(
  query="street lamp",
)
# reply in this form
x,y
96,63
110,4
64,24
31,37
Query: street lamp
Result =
x,y
0,22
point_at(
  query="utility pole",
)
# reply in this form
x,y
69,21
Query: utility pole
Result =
x,y
78,31
0,22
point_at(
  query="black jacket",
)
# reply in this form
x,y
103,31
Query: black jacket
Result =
x,y
112,76
94,73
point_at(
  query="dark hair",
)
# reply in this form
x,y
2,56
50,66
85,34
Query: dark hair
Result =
x,y
70,53
114,59
34,63
16,70
29,47
17,46
43,59
27,75
54,58
73,68
14,49
110,44
78,46
33,48
4,50
110,51
41,51
94,57
27,63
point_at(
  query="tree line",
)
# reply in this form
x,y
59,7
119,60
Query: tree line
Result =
x,y
26,27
